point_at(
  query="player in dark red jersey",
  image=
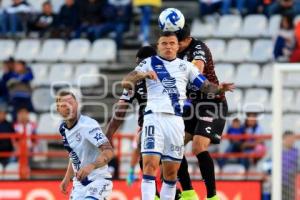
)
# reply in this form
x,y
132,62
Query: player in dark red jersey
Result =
x,y
204,113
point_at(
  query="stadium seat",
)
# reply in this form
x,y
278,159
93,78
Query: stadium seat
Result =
x,y
291,79
48,124
266,76
103,50
7,48
201,30
28,49
60,74
36,5
262,51
265,121
256,100
86,75
247,75
52,50
291,122
130,125
234,100
254,26
274,25
217,48
236,171
225,72
40,73
238,50
297,102
288,101
6,3
77,50
12,167
42,99
229,26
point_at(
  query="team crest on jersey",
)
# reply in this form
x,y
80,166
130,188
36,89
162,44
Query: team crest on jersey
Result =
x,y
149,143
182,67
198,46
169,82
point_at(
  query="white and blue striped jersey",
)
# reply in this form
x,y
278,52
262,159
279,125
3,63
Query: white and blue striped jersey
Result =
x,y
167,94
82,141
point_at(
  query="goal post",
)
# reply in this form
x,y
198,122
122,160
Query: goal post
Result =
x,y
278,71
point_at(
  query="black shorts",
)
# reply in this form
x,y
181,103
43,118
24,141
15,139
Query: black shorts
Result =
x,y
206,119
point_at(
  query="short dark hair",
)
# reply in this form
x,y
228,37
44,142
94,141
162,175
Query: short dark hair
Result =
x,y
167,34
63,93
145,52
183,33
288,133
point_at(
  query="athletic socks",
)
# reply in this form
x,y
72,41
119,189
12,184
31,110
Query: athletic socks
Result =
x,y
206,165
184,176
168,190
148,187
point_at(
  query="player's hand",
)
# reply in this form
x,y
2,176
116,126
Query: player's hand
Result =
x,y
63,186
224,87
130,177
85,171
151,75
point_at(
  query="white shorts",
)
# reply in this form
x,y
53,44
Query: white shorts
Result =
x,y
163,134
99,189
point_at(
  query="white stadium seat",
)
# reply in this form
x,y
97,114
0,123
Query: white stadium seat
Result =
x,y
40,73
262,51
265,121
237,169
52,50
60,74
86,75
229,26
57,4
288,101
256,100
225,72
36,5
7,48
28,49
254,26
103,50
247,75
297,102
238,50
217,48
234,100
48,124
266,76
274,25
42,99
291,79
77,50
291,122
199,29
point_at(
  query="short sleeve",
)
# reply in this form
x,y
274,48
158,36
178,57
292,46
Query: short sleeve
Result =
x,y
143,66
95,135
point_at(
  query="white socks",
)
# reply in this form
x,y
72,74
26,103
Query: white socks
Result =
x,y
148,187
168,190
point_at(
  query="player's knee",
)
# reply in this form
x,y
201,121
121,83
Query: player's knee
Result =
x,y
170,175
149,168
199,148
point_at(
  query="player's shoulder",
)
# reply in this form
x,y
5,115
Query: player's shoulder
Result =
x,y
62,127
86,120
145,62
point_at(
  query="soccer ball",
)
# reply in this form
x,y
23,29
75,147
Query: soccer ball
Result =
x,y
171,19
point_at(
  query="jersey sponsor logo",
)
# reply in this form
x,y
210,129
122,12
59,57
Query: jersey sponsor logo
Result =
x,y
169,82
78,136
176,148
182,67
199,52
208,129
159,66
199,57
207,119
94,130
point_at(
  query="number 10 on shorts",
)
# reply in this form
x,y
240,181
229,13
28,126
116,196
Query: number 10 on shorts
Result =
x,y
149,142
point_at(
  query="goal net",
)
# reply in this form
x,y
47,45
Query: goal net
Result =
x,y
286,82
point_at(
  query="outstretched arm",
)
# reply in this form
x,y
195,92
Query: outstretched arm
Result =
x,y
133,77
208,87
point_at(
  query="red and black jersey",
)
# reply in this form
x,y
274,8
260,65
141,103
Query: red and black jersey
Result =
x,y
197,50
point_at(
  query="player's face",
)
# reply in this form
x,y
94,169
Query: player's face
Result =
x,y
67,107
167,47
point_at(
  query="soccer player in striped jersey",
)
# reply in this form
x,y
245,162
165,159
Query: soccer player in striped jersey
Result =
x,y
163,129
89,152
